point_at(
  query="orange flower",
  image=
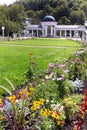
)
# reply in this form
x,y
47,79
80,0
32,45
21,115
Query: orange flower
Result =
x,y
30,53
22,93
4,118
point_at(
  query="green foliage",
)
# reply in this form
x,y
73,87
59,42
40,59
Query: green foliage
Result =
x,y
47,90
12,18
58,9
70,105
77,65
77,16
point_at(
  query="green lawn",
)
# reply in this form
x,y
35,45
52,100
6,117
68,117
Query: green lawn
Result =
x,y
14,60
45,42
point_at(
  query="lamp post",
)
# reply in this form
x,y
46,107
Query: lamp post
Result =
x,y
3,28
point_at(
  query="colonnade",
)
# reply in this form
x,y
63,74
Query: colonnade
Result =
x,y
51,31
70,33
33,33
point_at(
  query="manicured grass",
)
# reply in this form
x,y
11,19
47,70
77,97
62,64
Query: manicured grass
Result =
x,y
14,60
45,42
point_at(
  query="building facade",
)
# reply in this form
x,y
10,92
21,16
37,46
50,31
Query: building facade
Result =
x,y
48,27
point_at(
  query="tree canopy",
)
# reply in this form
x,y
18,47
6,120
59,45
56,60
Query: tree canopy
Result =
x,y
73,11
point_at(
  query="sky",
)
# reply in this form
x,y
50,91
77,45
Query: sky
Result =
x,y
7,2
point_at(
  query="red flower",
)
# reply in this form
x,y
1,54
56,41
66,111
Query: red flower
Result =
x,y
57,112
85,91
1,105
81,111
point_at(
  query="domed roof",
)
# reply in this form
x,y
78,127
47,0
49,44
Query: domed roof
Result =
x,y
48,18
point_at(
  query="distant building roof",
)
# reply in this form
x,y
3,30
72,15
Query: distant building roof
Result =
x,y
30,27
67,27
48,18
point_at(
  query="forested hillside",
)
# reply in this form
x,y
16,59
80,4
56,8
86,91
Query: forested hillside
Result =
x,y
64,11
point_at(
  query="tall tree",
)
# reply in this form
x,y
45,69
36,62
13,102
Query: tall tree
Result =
x,y
77,17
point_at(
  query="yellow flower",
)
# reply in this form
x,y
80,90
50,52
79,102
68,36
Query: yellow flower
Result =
x,y
58,122
33,108
12,98
55,116
31,89
1,103
37,104
45,112
42,101
28,93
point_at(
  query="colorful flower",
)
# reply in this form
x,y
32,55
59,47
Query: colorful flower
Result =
x,y
1,103
45,112
31,53
12,99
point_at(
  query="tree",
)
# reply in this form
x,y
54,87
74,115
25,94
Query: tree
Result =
x,y
77,17
83,6
16,13
64,20
61,11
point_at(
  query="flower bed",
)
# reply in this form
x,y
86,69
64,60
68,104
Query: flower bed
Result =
x,y
20,111
47,100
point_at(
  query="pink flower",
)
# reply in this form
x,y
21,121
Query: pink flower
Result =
x,y
65,71
51,65
62,76
76,60
58,79
54,78
62,65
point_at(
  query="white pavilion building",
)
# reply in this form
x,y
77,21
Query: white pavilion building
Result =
x,y
48,27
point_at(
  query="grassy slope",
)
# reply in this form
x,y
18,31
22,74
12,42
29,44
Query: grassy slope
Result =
x,y
14,60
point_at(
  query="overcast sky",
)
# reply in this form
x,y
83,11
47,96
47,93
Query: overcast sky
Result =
x,y
7,2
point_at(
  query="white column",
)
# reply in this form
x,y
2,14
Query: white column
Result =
x,y
83,35
45,31
74,34
54,31
86,37
29,33
51,30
